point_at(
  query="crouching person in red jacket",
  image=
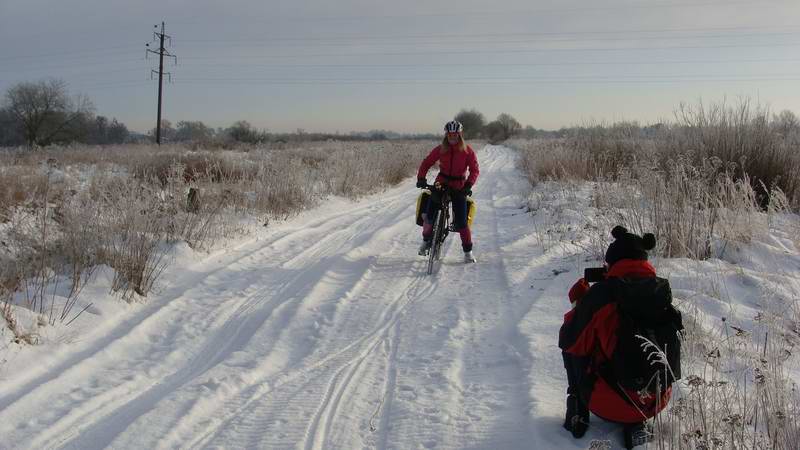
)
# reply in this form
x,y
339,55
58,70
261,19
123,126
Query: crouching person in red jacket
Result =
x,y
601,342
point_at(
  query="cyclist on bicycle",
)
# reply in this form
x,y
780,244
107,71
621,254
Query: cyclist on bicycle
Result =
x,y
455,158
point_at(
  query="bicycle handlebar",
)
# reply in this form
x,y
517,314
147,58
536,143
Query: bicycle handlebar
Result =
x,y
433,186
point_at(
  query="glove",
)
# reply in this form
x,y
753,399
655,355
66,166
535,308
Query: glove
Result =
x,y
422,183
467,189
577,291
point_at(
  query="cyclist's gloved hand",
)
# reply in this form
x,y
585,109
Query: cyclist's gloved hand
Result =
x,y
422,183
467,189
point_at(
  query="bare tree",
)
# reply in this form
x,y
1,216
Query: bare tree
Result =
x,y
193,131
786,123
167,131
510,124
473,122
10,132
502,128
117,132
495,132
102,131
44,110
242,131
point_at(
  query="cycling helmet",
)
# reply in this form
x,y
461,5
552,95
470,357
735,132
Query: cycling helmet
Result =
x,y
453,126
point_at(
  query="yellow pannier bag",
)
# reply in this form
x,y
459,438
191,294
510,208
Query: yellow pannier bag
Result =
x,y
422,205
471,207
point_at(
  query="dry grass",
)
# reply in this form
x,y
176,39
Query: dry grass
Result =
x,y
693,211
737,390
742,138
64,210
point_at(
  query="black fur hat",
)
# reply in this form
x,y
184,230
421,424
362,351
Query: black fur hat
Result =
x,y
628,245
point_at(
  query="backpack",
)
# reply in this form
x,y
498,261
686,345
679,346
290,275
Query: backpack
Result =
x,y
645,310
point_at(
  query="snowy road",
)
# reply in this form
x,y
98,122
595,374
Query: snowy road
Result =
x,y
325,333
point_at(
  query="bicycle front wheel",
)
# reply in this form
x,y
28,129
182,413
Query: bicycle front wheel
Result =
x,y
436,243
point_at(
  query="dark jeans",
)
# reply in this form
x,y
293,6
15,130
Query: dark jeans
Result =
x,y
576,375
459,205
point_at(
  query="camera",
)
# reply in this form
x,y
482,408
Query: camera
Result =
x,y
594,274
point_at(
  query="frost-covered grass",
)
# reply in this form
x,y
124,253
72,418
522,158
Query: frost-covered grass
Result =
x,y
741,140
67,210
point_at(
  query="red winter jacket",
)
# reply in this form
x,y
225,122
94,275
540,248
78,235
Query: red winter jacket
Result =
x,y
589,330
452,163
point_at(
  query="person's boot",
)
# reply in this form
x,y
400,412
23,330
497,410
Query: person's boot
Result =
x,y
577,418
637,434
424,248
469,257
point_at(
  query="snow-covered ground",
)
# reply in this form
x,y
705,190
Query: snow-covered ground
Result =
x,y
324,332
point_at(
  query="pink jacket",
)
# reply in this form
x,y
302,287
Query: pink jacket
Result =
x,y
453,164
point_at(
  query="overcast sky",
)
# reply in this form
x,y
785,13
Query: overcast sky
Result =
x,y
407,65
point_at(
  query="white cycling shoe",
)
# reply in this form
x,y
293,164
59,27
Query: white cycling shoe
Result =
x,y
469,257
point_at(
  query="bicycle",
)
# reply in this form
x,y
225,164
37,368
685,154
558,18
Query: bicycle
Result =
x,y
442,226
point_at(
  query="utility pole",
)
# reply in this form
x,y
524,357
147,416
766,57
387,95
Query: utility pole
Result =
x,y
161,53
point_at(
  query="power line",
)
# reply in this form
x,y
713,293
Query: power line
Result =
x,y
497,80
446,52
501,77
424,67
480,41
538,64
736,31
516,13
488,82
494,83
112,84
84,72
506,51
100,55
71,54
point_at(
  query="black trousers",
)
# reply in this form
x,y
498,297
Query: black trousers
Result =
x,y
458,202
577,379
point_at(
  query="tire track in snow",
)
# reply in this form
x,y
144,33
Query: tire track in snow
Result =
x,y
290,296
233,334
13,390
123,393
388,219
337,390
313,384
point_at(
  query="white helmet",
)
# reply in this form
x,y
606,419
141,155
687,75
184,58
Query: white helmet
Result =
x,y
453,126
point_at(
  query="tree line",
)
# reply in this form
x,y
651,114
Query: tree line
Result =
x,y
505,126
42,113
498,130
